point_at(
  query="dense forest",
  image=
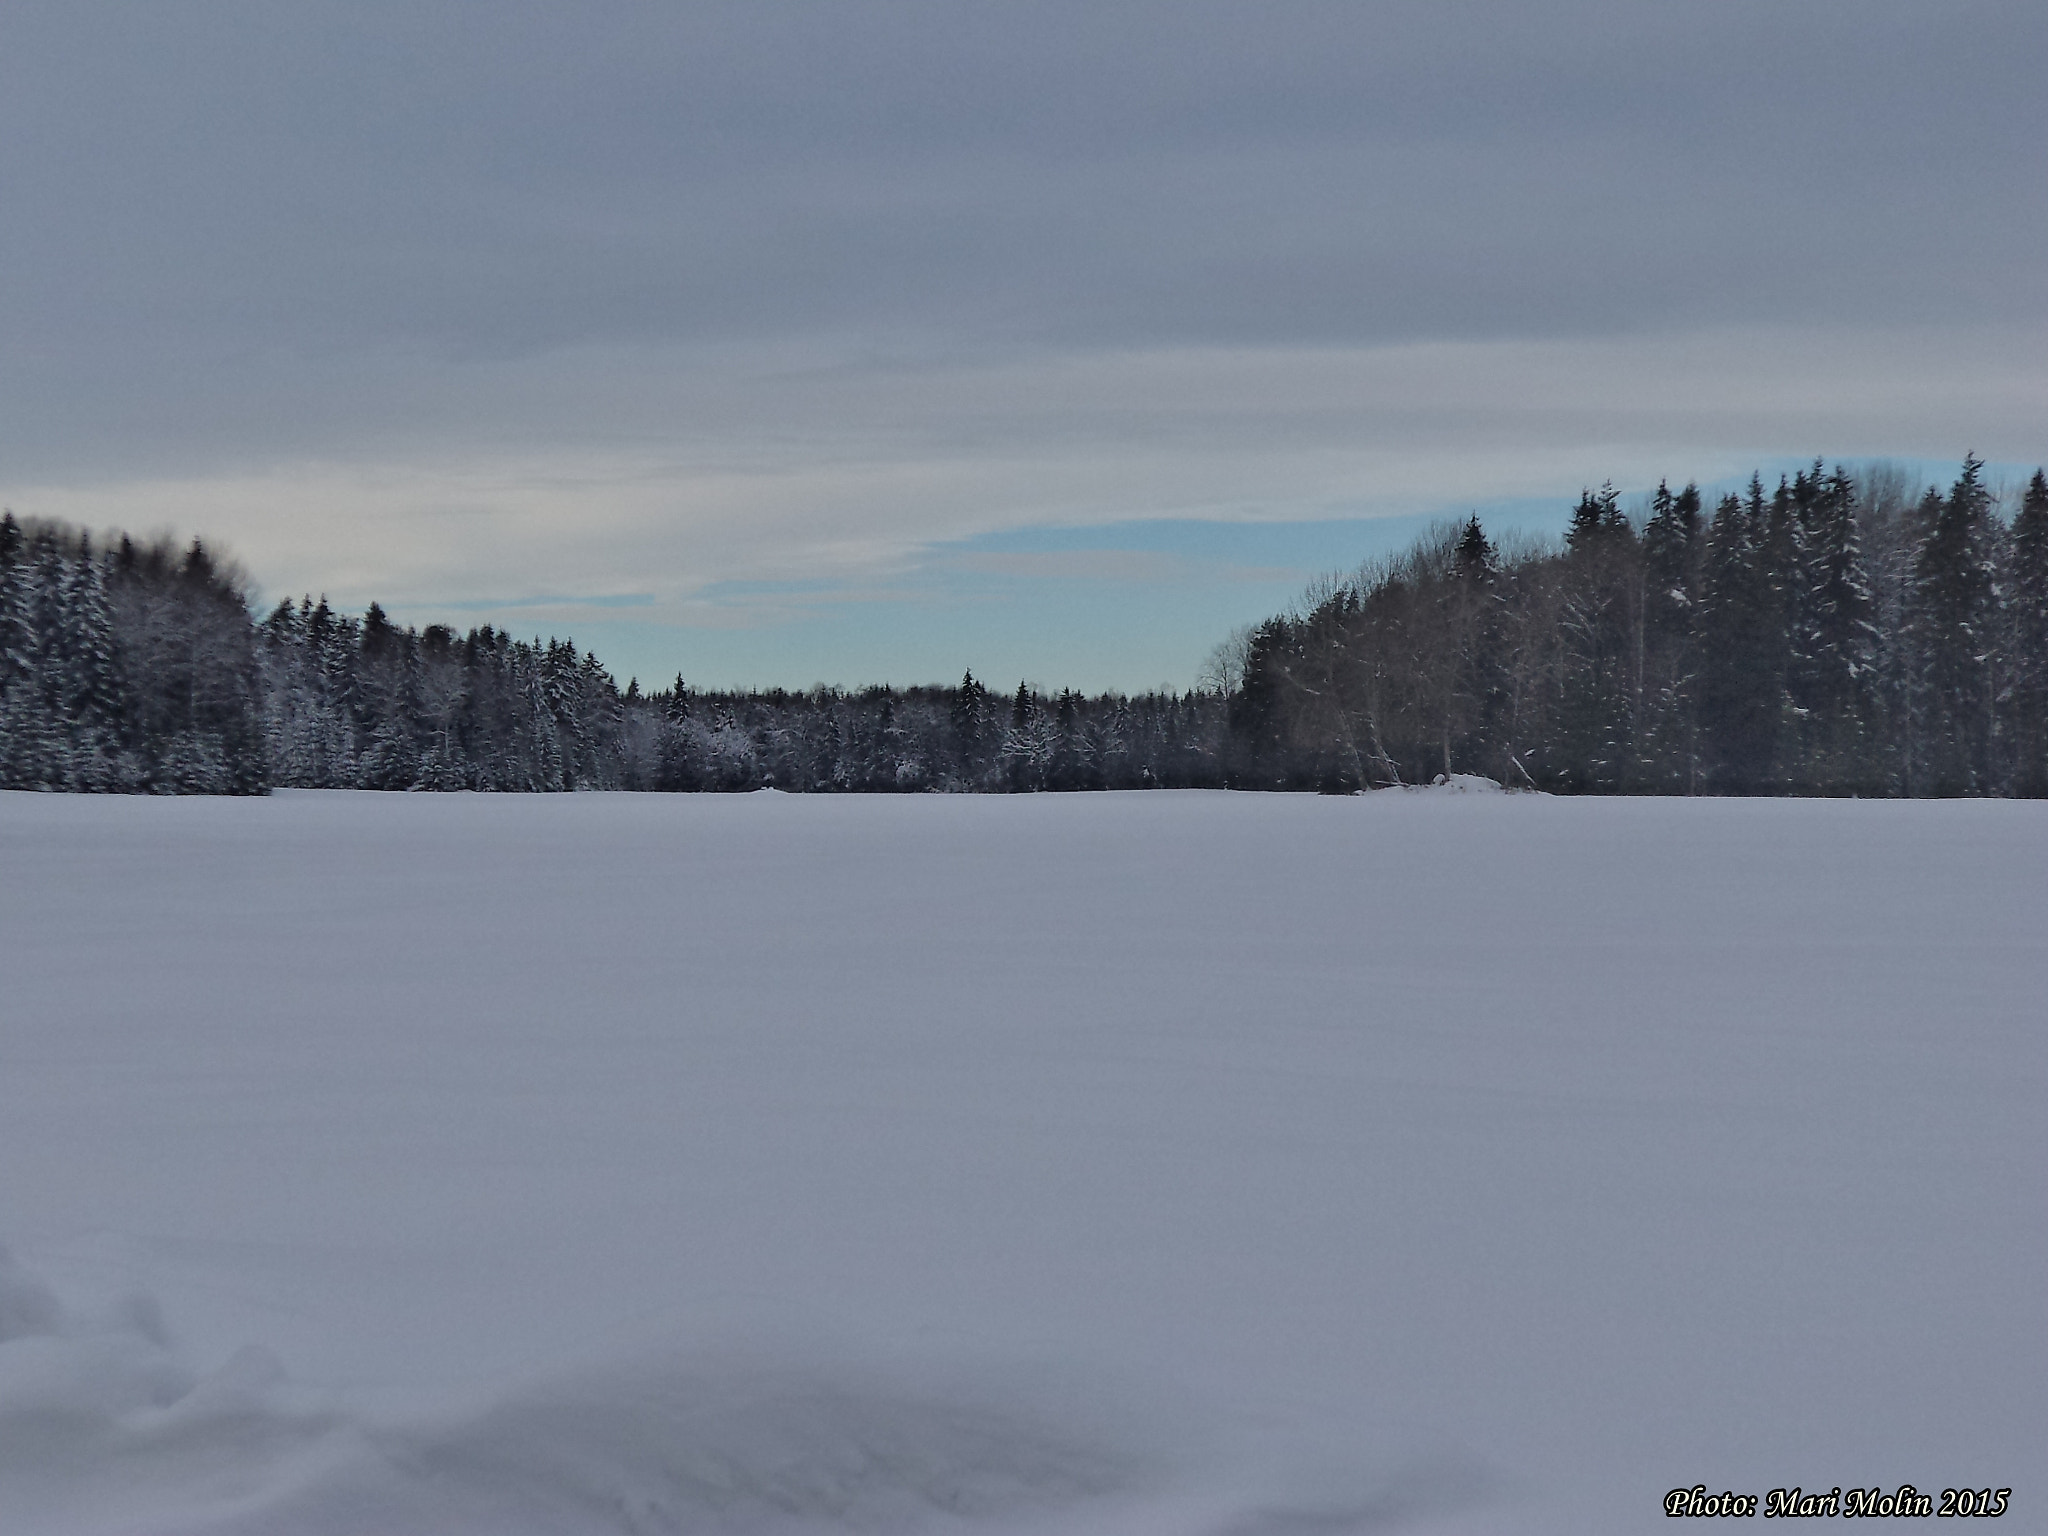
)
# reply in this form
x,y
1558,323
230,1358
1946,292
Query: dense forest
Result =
x,y
1825,637
1831,636
139,668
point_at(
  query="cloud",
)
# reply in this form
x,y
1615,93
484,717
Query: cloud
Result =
x,y
208,198
828,473
486,304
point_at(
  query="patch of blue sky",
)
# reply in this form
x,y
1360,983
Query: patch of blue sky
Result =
x,y
554,600
1123,606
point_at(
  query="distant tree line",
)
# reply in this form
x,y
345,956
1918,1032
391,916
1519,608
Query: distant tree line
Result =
x,y
137,667
1831,636
1828,636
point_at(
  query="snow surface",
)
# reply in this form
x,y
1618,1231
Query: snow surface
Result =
x,y
1121,1163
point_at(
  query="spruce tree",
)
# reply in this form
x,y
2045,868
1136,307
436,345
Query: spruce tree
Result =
x,y
969,719
14,616
1835,650
1672,548
1953,589
18,708
2026,596
1741,686
43,752
91,700
1472,694
1601,617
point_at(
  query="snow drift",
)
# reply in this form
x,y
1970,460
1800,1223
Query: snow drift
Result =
x,y
103,1428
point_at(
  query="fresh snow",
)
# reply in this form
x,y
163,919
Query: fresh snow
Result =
x,y
1163,1162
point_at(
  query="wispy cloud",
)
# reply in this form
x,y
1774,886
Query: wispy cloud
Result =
x,y
869,470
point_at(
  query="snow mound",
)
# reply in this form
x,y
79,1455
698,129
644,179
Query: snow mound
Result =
x,y
1462,784
736,1446
105,1432
101,1424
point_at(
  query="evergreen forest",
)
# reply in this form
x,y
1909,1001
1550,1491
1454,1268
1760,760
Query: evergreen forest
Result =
x,y
1834,635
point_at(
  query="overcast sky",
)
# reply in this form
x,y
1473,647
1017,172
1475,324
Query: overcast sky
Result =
x,y
778,342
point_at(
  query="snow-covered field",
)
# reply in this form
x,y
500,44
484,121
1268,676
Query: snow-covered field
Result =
x,y
1148,1163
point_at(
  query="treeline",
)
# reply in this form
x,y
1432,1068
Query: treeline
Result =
x,y
365,704
138,668
1830,636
